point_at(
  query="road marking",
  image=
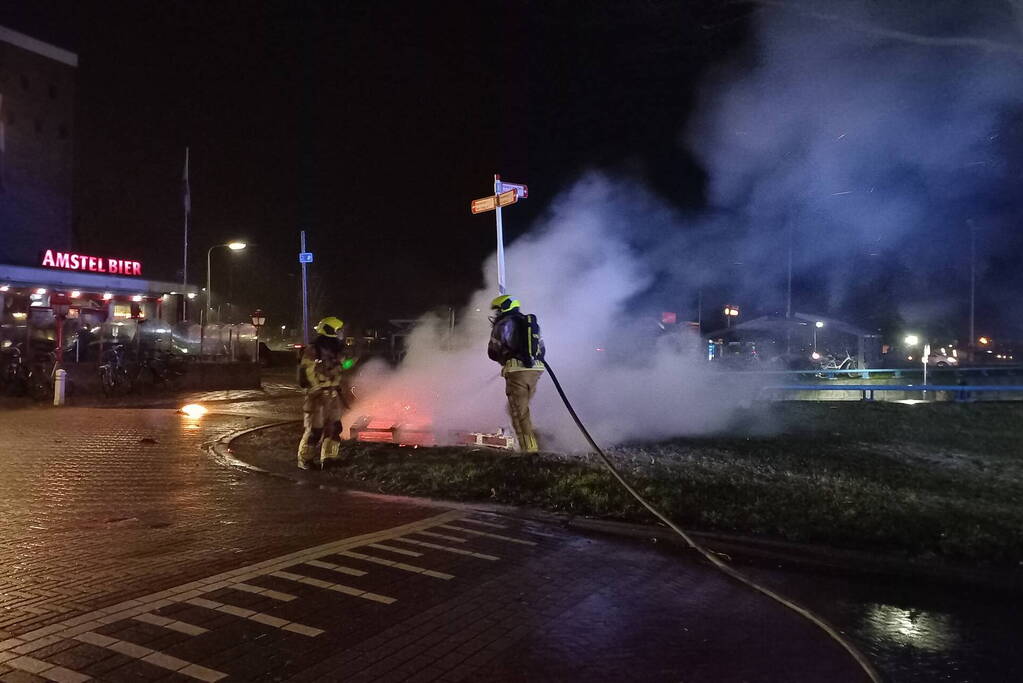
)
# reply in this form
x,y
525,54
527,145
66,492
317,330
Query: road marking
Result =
x,y
482,523
392,549
337,587
485,533
34,645
265,592
398,565
252,615
172,624
46,670
303,630
443,537
145,654
82,627
63,675
336,567
457,551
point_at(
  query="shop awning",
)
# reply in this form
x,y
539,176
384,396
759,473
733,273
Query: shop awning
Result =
x,y
23,276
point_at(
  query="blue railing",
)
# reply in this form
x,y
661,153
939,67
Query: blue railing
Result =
x,y
961,392
867,373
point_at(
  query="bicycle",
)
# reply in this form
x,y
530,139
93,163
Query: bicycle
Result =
x,y
41,376
13,373
113,372
163,368
829,362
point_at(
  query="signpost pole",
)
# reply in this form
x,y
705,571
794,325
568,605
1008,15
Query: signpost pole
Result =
x,y
305,297
500,238
927,357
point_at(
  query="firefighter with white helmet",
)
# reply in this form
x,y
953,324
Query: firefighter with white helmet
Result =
x,y
320,373
516,344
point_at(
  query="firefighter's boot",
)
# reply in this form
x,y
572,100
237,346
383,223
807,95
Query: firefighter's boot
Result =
x,y
330,453
307,448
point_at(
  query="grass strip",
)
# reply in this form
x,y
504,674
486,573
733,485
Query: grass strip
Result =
x,y
941,482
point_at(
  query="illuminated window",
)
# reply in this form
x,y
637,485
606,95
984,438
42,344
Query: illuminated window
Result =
x,y
122,310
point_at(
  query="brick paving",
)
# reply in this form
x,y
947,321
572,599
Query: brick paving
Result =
x,y
127,553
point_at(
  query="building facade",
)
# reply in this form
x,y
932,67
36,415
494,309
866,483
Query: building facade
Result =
x,y
37,105
54,301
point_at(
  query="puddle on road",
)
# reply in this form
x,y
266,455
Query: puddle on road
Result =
x,y
914,630
910,628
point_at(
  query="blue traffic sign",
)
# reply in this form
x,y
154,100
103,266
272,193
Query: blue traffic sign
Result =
x,y
305,257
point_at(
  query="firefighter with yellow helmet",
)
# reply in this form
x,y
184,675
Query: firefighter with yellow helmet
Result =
x,y
320,373
516,344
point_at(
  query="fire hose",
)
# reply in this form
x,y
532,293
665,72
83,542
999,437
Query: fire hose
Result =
x,y
710,555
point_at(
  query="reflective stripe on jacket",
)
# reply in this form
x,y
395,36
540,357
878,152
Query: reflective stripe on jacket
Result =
x,y
322,363
515,365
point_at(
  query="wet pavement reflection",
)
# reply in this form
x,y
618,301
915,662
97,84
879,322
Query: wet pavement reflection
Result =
x,y
914,630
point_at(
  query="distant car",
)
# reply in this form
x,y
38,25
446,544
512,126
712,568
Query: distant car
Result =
x,y
909,359
943,360
279,357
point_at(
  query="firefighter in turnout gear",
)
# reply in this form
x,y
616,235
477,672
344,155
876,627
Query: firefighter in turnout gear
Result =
x,y
516,344
320,373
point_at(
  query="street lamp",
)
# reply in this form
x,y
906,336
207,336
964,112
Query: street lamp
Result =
x,y
233,246
816,326
731,311
912,340
258,320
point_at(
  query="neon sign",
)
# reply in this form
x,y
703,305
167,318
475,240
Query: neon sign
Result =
x,y
90,264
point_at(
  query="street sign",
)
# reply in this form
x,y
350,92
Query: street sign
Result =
x,y
484,204
504,195
521,191
305,257
506,198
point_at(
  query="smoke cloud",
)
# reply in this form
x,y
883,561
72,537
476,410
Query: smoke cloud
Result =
x,y
869,151
866,155
579,271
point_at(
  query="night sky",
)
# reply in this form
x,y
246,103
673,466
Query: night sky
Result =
x,y
371,125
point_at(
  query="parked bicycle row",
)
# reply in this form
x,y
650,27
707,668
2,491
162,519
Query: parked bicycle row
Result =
x,y
119,372
118,375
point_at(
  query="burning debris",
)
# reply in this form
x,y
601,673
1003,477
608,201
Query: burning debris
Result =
x,y
404,425
417,432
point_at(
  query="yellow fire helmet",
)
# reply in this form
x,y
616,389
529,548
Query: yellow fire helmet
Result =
x,y
504,303
330,327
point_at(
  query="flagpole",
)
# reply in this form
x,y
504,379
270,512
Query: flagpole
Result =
x,y
2,142
188,210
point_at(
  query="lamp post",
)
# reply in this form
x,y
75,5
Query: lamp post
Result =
x,y
204,318
730,312
258,320
233,246
816,326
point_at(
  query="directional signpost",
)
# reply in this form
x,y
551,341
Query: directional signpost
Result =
x,y
505,194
